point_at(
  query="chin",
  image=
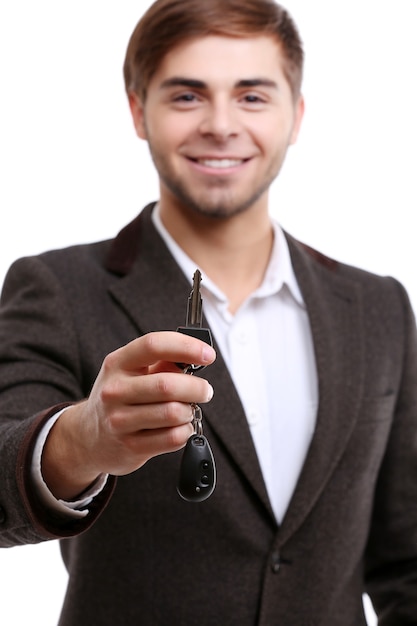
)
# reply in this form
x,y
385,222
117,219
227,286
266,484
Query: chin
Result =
x,y
218,212
207,205
220,208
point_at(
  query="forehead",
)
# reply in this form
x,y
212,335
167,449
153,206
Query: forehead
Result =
x,y
215,60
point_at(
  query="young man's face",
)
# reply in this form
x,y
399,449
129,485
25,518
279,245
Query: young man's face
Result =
x,y
219,117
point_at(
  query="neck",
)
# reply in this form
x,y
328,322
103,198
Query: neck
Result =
x,y
233,252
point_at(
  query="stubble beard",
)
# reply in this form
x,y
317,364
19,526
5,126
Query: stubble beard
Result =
x,y
217,202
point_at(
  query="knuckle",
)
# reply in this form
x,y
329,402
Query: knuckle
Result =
x,y
116,422
151,342
110,362
176,413
177,437
132,445
110,392
164,385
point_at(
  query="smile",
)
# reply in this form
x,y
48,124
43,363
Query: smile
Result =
x,y
220,163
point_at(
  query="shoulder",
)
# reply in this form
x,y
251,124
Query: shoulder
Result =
x,y
115,255
381,296
302,253
59,266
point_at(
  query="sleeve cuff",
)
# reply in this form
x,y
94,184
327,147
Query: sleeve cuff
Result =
x,y
74,509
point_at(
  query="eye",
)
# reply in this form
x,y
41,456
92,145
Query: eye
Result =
x,y
185,99
253,98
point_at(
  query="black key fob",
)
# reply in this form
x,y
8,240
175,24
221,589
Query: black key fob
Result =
x,y
197,478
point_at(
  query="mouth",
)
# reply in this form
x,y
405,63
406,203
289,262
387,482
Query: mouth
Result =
x,y
219,164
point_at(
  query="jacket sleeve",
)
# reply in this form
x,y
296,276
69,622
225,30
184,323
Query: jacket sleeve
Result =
x,y
391,556
40,367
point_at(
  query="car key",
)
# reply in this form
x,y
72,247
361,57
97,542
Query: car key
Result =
x,y
194,319
197,476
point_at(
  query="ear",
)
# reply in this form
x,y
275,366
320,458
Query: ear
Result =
x,y
138,114
298,117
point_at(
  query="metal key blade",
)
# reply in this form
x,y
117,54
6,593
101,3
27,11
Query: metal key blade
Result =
x,y
195,303
194,320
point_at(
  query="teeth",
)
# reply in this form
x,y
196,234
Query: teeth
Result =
x,y
220,163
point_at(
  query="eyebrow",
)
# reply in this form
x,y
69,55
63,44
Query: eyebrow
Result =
x,y
192,83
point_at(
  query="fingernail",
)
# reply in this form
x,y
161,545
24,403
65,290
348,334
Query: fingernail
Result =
x,y
210,392
208,354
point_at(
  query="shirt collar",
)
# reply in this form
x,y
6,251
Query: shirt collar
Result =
x,y
279,272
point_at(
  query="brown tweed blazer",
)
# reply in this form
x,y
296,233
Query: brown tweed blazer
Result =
x,y
144,556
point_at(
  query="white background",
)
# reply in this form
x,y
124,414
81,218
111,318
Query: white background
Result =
x,y
72,170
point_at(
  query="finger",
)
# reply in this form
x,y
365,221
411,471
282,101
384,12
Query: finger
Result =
x,y
134,419
140,447
137,448
166,440
170,387
165,366
156,388
163,346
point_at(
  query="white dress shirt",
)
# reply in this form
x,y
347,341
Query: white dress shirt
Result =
x,y
268,349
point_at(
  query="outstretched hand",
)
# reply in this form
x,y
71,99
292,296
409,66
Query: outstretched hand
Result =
x,y
139,407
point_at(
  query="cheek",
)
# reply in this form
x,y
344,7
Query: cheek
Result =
x,y
270,142
271,134
171,129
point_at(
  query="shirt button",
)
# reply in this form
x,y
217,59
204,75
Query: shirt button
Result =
x,y
275,562
2,515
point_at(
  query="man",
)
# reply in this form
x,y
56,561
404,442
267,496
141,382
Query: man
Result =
x,y
313,418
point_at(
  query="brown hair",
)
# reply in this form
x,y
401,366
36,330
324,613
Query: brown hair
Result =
x,y
167,23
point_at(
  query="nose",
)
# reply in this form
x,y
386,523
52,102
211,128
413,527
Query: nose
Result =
x,y
220,120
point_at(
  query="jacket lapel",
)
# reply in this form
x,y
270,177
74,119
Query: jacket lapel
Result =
x,y
335,313
153,291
